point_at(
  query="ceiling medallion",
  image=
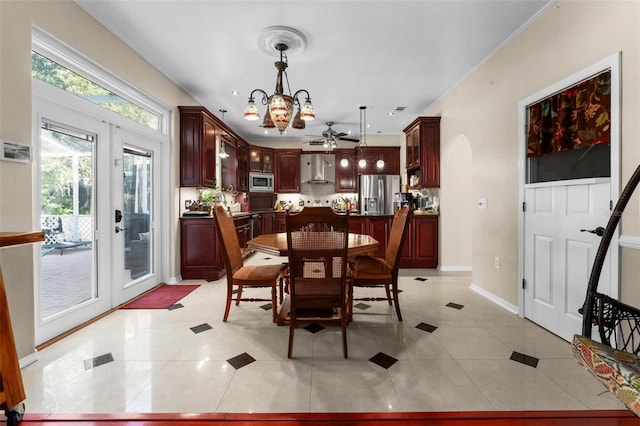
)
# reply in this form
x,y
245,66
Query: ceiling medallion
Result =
x,y
271,37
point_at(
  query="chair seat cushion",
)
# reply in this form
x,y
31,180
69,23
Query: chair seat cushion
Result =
x,y
371,265
265,275
618,371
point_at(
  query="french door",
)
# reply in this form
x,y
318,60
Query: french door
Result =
x,y
99,203
136,204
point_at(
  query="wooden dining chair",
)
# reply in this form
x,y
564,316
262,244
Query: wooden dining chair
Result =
x,y
238,274
370,271
317,240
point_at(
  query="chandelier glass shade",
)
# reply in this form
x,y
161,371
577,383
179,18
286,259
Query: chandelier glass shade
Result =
x,y
280,105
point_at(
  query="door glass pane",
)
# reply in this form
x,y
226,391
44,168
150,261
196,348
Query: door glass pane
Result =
x,y
138,240
67,207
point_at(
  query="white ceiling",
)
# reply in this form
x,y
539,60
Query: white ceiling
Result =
x,y
382,54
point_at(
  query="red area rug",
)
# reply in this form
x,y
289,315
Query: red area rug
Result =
x,y
160,297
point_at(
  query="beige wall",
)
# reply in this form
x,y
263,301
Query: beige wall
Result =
x,y
483,108
70,24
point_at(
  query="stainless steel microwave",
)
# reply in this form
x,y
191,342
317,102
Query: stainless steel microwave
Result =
x,y
260,182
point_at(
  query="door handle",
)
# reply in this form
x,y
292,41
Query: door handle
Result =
x,y
599,231
119,229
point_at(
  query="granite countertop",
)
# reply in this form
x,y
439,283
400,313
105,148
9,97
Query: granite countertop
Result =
x,y
243,214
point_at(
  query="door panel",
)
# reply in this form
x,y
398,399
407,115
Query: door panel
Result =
x,y
135,194
558,256
72,286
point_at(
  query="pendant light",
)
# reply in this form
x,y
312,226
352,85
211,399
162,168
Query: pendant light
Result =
x,y
280,105
362,163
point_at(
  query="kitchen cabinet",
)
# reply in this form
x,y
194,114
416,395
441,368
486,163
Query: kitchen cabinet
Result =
x,y
287,168
200,252
280,222
380,228
421,243
197,147
423,152
243,229
260,201
229,165
242,174
346,173
267,222
389,154
358,225
261,160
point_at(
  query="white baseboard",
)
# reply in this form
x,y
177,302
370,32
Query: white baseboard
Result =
x,y
495,299
29,359
175,280
454,268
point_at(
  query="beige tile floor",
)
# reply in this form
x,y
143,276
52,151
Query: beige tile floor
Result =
x,y
159,365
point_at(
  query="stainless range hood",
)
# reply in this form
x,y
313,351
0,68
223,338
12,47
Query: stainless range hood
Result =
x,y
317,168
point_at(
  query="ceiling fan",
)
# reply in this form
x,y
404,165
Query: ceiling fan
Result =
x,y
330,136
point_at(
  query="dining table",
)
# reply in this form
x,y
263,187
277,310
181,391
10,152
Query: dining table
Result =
x,y
276,244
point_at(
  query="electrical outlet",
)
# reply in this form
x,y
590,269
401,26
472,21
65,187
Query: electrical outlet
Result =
x,y
497,262
482,203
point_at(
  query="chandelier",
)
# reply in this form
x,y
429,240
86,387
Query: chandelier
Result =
x,y
280,105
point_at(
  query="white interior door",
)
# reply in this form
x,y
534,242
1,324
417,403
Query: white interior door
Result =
x,y
558,256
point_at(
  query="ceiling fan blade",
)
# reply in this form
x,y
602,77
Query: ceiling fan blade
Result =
x,y
349,139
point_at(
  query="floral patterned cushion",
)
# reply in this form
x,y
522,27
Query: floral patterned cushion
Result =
x,y
618,371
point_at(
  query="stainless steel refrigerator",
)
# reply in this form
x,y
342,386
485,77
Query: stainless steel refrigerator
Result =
x,y
376,193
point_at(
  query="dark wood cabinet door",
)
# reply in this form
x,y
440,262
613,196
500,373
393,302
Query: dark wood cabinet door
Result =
x,y
229,166
423,135
406,257
243,229
243,155
390,157
281,222
358,225
255,159
430,152
287,176
209,153
198,135
267,160
426,242
190,142
346,174
379,228
200,255
267,223
242,166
